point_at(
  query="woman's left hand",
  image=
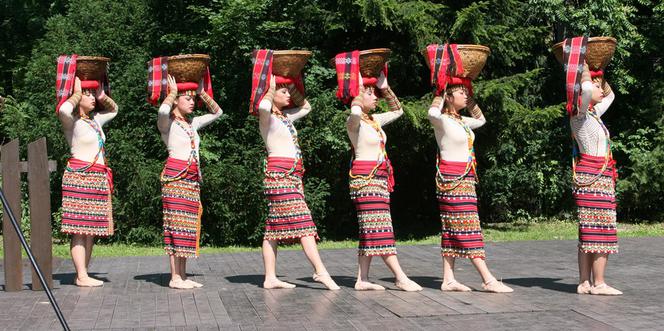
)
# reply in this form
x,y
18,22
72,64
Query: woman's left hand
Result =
x,y
100,95
381,83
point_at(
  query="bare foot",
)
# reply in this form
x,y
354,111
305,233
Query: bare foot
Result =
x,y
454,286
604,289
275,284
367,286
326,280
496,286
180,285
193,283
583,288
88,282
408,285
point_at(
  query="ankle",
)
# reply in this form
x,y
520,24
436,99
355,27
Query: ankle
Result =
x,y
494,279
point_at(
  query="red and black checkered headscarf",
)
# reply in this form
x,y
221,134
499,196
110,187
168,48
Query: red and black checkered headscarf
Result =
x,y
157,79
64,80
446,68
158,82
348,73
347,65
260,78
65,76
574,56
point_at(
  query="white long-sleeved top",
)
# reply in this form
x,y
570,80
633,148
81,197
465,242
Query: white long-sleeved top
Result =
x,y
451,137
589,133
365,139
276,135
176,138
82,138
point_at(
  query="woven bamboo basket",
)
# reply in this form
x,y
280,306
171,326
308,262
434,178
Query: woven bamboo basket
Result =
x,y
372,61
473,58
91,67
599,54
188,67
289,63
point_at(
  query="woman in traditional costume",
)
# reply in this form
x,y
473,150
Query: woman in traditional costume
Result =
x,y
594,172
181,176
456,167
371,174
278,100
87,183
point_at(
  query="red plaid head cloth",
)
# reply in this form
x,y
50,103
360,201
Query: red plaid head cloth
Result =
x,y
574,56
348,75
260,78
157,79
64,80
446,68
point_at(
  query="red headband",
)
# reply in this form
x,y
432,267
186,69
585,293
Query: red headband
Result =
x,y
89,84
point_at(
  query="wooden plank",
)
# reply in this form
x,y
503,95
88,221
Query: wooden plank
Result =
x,y
11,186
23,165
40,212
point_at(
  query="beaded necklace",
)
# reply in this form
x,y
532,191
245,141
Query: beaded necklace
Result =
x,y
382,156
607,156
193,155
298,151
470,164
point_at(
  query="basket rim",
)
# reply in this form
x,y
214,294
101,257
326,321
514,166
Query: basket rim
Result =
x,y
591,39
375,50
477,47
93,58
292,52
189,56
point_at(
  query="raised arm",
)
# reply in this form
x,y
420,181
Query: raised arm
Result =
x,y
265,106
586,91
603,106
110,107
302,106
164,118
66,110
435,112
477,119
212,106
393,104
355,117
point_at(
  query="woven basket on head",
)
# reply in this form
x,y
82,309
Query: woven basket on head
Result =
x,y
289,63
600,51
473,58
372,61
188,67
91,67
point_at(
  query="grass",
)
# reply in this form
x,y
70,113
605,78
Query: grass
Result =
x,y
515,231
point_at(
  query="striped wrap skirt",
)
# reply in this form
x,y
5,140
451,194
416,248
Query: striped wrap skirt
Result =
x,y
86,199
596,205
457,203
289,218
182,209
371,197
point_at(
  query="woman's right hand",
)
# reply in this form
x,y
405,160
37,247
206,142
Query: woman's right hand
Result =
x,y
77,85
273,82
172,85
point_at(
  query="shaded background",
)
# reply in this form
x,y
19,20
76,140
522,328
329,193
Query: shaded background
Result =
x,y
524,150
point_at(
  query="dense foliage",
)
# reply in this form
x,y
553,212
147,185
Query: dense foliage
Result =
x,y
523,150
